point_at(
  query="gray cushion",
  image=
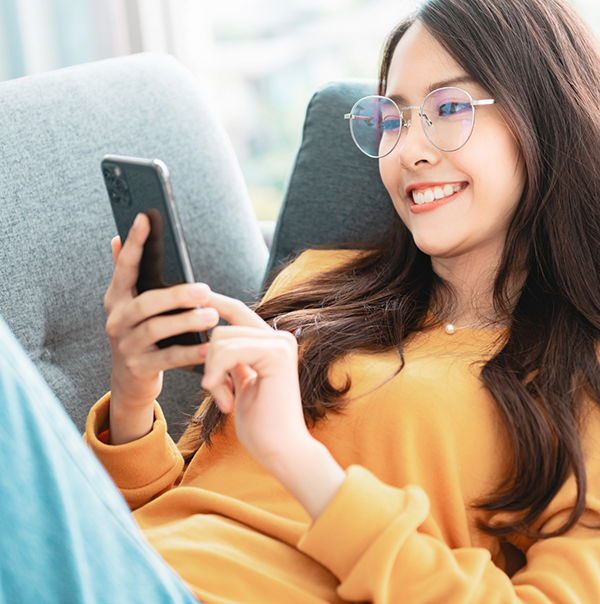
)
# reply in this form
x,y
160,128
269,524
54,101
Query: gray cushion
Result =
x,y
334,193
55,218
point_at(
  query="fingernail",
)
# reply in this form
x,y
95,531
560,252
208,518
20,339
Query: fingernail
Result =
x,y
137,220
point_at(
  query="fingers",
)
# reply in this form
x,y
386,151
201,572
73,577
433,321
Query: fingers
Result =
x,y
245,353
234,311
240,377
155,302
135,310
164,326
129,256
158,301
157,360
115,245
223,395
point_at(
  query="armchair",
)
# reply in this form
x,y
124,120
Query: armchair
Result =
x,y
56,224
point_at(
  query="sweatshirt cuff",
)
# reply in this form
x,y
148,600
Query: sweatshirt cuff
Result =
x,y
358,515
142,468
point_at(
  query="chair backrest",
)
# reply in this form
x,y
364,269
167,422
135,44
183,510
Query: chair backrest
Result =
x,y
56,223
334,193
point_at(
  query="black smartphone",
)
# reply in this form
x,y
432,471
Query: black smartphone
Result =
x,y
137,186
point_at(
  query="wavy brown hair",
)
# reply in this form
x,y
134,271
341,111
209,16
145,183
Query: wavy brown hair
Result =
x,y
541,64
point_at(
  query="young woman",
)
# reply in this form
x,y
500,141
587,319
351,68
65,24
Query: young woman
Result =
x,y
417,421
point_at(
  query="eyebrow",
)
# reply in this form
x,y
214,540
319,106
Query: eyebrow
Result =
x,y
464,79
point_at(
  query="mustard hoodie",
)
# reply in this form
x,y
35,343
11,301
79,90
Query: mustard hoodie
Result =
x,y
418,449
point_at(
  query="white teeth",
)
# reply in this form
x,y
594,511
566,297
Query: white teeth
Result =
x,y
435,193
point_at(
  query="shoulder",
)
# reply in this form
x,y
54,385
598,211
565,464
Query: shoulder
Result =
x,y
313,262
307,265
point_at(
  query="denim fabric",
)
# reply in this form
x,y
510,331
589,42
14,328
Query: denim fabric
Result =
x,y
66,534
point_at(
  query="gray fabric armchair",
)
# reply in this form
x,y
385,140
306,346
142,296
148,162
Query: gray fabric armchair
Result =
x,y
56,223
334,192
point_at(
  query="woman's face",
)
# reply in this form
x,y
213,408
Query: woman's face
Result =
x,y
488,171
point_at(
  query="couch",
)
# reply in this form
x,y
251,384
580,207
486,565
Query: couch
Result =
x,y
56,223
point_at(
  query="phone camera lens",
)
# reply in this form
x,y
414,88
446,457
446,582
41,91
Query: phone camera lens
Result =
x,y
116,185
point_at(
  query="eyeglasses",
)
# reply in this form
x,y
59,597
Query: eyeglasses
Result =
x,y
447,116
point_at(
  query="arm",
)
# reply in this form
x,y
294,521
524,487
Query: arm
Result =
x,y
138,453
251,371
314,481
371,537
141,469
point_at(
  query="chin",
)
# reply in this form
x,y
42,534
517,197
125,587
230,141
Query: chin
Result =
x,y
433,246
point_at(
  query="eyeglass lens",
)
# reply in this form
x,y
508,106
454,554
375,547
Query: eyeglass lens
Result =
x,y
446,117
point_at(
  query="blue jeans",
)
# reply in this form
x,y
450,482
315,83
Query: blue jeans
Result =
x,y
66,534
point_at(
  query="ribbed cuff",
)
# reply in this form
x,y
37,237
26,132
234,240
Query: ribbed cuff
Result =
x,y
142,468
360,512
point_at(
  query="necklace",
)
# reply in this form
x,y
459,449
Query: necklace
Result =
x,y
451,329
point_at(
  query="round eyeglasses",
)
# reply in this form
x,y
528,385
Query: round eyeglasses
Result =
x,y
447,116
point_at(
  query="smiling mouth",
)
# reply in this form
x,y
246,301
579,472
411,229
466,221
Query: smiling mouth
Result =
x,y
436,193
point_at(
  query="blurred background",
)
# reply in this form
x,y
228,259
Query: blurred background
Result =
x,y
261,60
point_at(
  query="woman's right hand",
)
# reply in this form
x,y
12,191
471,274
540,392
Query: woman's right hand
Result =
x,y
134,323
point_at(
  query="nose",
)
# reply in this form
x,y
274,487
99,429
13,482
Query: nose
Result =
x,y
413,147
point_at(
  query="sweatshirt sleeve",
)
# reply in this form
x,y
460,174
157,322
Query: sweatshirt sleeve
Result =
x,y
369,538
142,469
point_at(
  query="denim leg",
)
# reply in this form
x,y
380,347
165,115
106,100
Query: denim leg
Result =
x,y
66,534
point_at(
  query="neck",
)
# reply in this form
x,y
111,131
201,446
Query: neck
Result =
x,y
471,278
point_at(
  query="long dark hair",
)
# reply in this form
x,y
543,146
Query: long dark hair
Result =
x,y
541,64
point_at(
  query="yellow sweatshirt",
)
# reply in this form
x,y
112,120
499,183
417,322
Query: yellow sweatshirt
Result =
x,y
418,451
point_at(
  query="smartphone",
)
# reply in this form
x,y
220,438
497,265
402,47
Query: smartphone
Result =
x,y
135,186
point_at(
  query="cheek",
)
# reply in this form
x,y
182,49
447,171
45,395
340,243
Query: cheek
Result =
x,y
387,172
501,165
391,177
504,180
390,173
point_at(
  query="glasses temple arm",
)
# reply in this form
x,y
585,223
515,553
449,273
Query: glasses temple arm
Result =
x,y
363,118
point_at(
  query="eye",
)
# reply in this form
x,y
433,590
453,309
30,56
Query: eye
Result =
x,y
390,123
451,108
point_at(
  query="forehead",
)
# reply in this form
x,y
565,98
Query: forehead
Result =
x,y
419,64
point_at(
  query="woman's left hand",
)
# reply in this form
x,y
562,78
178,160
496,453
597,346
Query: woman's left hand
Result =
x,y
252,369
